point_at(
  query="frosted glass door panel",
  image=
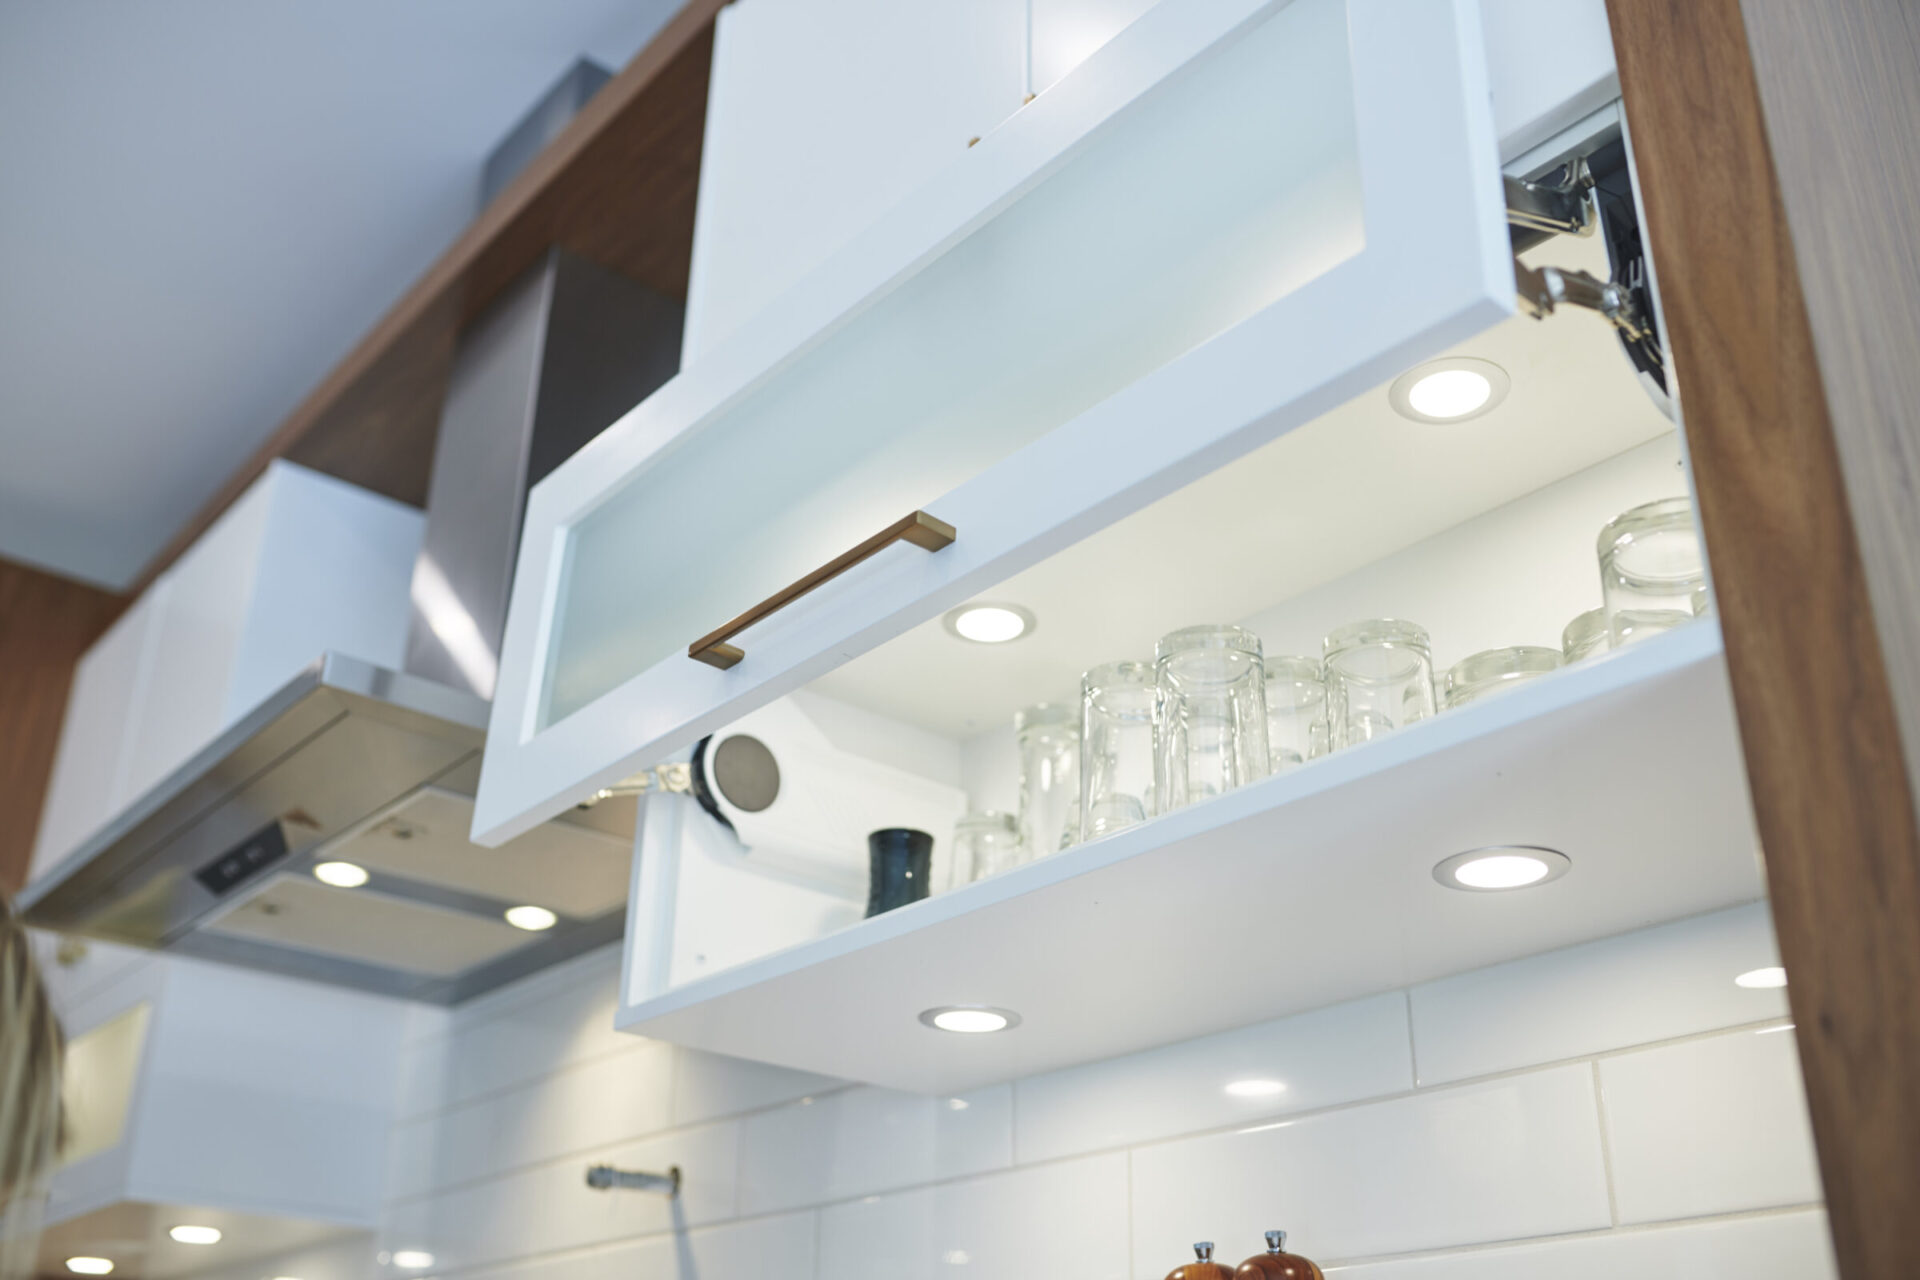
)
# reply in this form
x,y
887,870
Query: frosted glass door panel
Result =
x,y
1220,192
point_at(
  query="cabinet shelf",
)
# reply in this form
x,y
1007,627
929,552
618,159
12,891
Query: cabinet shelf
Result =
x,y
1309,888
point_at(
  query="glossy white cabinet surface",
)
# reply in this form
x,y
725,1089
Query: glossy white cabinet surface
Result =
x,y
300,565
1005,348
821,116
88,783
243,1093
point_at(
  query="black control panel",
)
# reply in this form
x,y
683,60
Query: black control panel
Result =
x,y
242,862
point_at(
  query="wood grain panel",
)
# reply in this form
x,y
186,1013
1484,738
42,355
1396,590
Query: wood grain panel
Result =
x,y
46,623
617,187
1840,89
1817,721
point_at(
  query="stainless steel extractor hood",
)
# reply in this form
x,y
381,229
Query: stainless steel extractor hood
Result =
x,y
356,764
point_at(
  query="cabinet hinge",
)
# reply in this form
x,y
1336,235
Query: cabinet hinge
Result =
x,y
1554,206
676,777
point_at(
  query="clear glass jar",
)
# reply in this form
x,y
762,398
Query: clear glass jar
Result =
x,y
1379,679
984,844
1585,636
1048,735
1116,748
1296,711
1651,564
1210,725
1492,670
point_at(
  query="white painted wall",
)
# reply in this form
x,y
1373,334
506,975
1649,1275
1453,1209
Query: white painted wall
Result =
x,y
1579,1114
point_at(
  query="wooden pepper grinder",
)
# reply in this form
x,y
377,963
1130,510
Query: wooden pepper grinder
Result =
x,y
1277,1264
1203,1269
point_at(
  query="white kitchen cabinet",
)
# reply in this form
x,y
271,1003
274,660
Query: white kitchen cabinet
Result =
x,y
302,564
1138,349
1233,217
240,1094
1549,62
87,785
823,114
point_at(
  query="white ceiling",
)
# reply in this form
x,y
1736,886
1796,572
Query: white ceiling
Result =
x,y
204,203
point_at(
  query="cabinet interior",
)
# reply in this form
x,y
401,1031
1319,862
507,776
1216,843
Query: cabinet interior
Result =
x,y
1483,531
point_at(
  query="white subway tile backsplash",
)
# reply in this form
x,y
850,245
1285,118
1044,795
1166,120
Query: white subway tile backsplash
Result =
x,y
548,1027
707,1086
550,1208
424,1067
1708,1126
768,1249
1653,984
1340,1054
1067,1220
600,1101
508,1099
1506,1159
1791,1246
863,1140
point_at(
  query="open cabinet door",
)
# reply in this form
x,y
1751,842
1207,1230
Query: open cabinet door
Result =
x,y
1233,217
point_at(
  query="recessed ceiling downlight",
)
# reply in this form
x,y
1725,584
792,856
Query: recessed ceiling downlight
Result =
x,y
188,1233
970,1019
1501,867
341,875
532,919
1450,390
412,1259
985,623
90,1266
1762,979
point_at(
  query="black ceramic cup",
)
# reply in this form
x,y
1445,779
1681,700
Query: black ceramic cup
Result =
x,y
902,866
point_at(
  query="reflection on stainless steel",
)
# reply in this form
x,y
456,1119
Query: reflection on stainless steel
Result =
x,y
336,747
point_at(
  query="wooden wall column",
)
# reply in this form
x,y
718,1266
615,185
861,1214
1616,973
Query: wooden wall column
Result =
x,y
46,623
1818,719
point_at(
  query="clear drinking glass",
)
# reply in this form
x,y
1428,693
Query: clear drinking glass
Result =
x,y
1379,678
1585,635
1210,730
1296,711
1048,735
1651,564
1492,670
1116,748
984,844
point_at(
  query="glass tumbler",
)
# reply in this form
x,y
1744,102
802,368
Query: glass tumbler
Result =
x,y
1296,711
1210,729
984,844
1379,678
1116,748
1651,565
1585,635
1048,735
1492,670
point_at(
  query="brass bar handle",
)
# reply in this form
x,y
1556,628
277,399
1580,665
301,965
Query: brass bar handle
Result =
x,y
920,529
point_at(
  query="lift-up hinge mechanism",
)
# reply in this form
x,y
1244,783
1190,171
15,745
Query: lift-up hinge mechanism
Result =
x,y
1566,203
1557,208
